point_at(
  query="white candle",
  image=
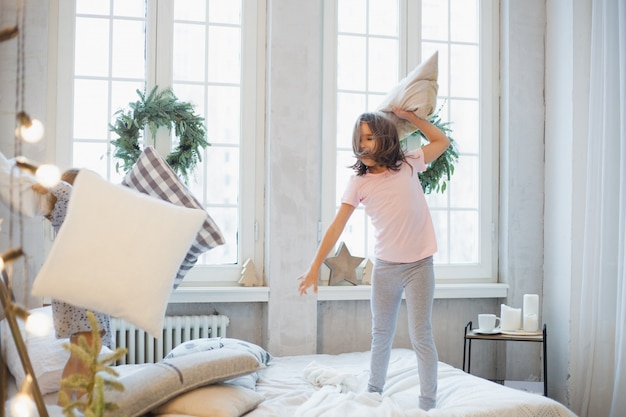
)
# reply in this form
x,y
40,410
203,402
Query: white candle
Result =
x,y
531,312
531,324
531,304
510,318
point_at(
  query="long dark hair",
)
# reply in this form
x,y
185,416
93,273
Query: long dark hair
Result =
x,y
388,150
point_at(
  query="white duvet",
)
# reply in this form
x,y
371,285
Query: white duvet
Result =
x,y
335,386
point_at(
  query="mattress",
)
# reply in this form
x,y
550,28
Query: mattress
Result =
x,y
335,385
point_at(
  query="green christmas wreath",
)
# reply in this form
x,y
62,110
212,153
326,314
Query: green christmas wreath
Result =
x,y
160,109
438,173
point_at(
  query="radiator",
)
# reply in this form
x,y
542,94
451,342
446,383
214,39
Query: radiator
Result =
x,y
143,348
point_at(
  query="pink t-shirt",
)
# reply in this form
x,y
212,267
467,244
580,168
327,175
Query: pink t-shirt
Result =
x,y
395,203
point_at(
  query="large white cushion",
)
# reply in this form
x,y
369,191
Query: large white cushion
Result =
x,y
118,252
416,92
218,400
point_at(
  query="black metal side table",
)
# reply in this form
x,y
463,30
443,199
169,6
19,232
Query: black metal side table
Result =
x,y
540,337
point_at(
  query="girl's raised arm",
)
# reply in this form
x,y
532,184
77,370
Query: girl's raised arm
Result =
x,y
311,277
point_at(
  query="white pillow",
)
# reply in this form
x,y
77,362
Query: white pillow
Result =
x,y
46,354
219,400
20,183
118,252
416,92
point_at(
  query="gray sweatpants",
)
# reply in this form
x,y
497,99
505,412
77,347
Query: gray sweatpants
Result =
x,y
417,279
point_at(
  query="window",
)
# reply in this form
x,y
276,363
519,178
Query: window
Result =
x,y
369,46
206,52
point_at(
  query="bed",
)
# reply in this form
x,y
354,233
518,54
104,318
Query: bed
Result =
x,y
231,377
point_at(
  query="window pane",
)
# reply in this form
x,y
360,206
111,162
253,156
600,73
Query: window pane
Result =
x,y
224,54
225,11
464,20
92,47
345,159
101,7
128,49
93,156
351,16
193,94
464,248
189,59
354,235
91,109
223,116
465,126
222,186
228,221
383,64
464,71
351,63
464,183
190,10
130,8
440,223
437,200
123,93
349,107
383,18
435,20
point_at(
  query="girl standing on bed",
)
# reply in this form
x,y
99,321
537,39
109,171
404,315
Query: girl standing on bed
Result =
x,y
70,321
387,185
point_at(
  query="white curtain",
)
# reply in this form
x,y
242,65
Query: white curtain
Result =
x,y
598,388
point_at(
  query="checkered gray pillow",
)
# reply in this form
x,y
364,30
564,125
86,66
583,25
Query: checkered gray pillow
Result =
x,y
153,176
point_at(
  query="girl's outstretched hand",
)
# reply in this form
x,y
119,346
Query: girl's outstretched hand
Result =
x,y
310,278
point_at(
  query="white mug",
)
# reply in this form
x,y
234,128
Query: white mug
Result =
x,y
488,322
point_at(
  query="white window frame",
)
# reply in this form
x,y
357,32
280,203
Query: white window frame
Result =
x,y
250,231
485,271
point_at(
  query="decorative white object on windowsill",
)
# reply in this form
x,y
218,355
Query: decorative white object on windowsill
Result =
x,y
366,275
248,274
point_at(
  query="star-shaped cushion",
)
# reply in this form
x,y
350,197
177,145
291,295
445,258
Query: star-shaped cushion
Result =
x,y
343,266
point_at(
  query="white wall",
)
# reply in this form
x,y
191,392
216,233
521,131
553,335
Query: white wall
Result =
x,y
35,85
567,97
522,36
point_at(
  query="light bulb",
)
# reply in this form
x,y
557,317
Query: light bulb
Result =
x,y
38,324
22,406
32,133
48,175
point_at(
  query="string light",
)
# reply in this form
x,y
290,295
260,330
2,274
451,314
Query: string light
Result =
x,y
28,129
47,175
22,405
38,324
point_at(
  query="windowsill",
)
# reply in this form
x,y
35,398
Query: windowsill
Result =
x,y
239,294
442,291
219,294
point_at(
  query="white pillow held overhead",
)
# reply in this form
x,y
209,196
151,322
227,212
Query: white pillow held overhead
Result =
x,y
118,251
417,92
